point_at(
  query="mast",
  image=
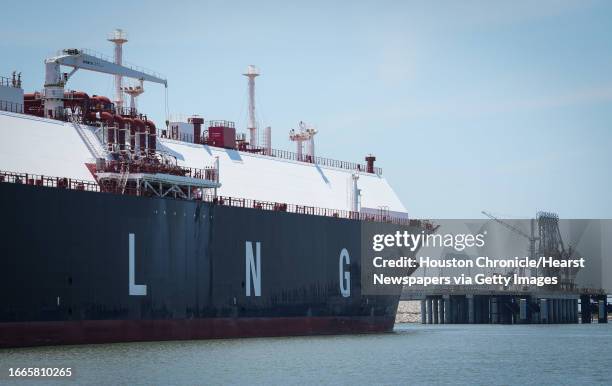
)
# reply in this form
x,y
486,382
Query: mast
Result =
x,y
118,37
251,73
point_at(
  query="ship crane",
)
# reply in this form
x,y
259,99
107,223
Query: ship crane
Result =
x,y
305,134
532,238
80,59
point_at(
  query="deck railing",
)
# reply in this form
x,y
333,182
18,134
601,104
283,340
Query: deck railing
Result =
x,y
208,173
91,186
314,210
285,154
293,156
48,181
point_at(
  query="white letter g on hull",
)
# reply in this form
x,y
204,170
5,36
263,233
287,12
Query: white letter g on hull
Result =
x,y
345,276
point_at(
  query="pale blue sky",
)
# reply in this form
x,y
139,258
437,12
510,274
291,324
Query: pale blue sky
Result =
x,y
468,105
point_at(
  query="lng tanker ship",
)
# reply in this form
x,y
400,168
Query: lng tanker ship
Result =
x,y
114,230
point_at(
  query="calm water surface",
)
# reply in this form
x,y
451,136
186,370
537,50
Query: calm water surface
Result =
x,y
413,354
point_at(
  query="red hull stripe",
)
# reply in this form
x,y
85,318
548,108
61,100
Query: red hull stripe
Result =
x,y
23,334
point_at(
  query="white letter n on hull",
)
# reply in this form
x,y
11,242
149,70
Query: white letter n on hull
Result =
x,y
253,268
135,289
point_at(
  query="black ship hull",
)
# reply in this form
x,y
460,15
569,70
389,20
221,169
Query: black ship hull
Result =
x,y
85,267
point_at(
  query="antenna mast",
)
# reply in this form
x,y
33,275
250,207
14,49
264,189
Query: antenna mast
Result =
x,y
118,37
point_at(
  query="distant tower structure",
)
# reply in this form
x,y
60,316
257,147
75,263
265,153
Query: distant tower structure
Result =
x,y
251,73
551,244
118,37
305,134
133,92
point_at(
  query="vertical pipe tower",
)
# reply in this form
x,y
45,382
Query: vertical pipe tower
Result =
x,y
251,73
118,37
268,140
355,193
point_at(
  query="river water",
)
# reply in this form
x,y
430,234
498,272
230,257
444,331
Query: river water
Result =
x,y
412,354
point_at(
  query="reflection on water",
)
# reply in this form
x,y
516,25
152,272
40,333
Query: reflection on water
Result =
x,y
413,354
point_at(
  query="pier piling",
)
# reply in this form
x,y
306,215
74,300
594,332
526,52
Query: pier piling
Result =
x,y
523,310
423,312
435,311
586,314
544,311
603,310
470,299
512,308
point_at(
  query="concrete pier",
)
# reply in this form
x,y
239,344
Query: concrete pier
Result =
x,y
494,310
551,310
508,308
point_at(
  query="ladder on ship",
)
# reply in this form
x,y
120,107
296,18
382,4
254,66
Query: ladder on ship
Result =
x,y
125,173
93,149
